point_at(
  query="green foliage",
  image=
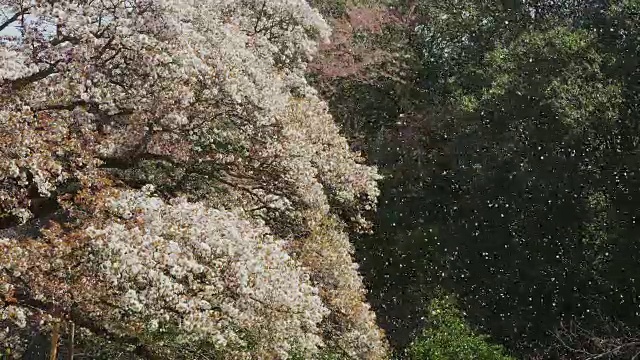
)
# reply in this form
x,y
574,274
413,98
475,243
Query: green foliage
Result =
x,y
448,337
518,186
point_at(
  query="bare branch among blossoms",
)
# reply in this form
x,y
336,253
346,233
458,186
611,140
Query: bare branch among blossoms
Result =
x,y
11,19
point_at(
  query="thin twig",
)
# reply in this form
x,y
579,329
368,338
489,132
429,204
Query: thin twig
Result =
x,y
72,340
55,338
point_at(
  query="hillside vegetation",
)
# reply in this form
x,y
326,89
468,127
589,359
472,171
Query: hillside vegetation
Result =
x,y
322,179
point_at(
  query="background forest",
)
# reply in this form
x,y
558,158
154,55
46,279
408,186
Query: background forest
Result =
x,y
506,134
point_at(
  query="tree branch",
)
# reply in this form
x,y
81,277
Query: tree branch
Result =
x,y
22,82
13,18
25,298
618,350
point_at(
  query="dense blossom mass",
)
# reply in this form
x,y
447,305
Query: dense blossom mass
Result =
x,y
171,185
